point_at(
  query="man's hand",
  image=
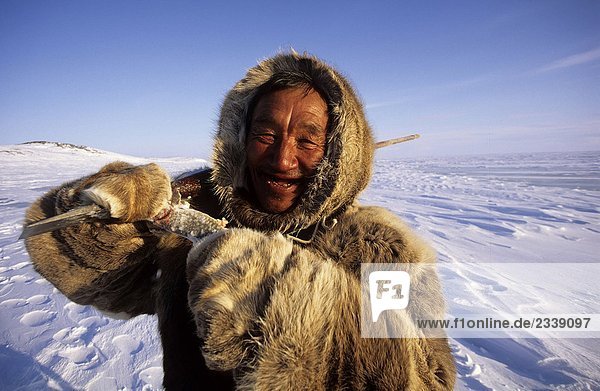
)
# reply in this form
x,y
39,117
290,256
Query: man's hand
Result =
x,y
231,275
130,193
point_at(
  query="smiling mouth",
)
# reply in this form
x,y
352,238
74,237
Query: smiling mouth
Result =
x,y
281,184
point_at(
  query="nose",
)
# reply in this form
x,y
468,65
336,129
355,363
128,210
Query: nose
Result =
x,y
284,156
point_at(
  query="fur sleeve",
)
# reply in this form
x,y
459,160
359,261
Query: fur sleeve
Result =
x,y
105,265
287,318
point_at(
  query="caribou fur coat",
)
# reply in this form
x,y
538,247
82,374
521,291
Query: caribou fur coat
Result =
x,y
272,303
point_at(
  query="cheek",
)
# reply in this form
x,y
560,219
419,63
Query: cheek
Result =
x,y
311,159
255,153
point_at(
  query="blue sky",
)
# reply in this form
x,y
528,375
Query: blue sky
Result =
x,y
147,77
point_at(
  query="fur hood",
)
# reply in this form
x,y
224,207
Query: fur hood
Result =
x,y
341,175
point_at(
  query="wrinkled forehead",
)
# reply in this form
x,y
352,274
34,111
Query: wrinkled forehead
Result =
x,y
305,108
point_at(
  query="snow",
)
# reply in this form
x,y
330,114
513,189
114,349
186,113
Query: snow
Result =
x,y
37,318
479,212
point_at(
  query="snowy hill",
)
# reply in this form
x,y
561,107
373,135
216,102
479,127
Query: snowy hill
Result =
x,y
511,208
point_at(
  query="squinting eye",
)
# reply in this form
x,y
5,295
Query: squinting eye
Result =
x,y
307,144
265,138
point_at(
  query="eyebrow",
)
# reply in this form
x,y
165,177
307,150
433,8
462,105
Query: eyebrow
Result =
x,y
310,126
264,119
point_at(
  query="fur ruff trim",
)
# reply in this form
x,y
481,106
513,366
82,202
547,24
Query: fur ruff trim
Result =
x,y
341,175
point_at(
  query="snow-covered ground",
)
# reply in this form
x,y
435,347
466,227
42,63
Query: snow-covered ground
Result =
x,y
500,209
514,208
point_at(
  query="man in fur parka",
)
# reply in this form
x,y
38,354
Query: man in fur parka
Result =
x,y
273,302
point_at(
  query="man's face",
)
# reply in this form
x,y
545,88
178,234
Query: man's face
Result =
x,y
285,143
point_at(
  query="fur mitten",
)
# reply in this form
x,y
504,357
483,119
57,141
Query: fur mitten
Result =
x,y
130,193
231,275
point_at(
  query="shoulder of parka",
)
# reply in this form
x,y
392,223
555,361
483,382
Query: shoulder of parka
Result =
x,y
370,234
366,235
